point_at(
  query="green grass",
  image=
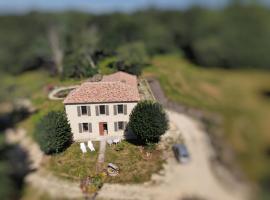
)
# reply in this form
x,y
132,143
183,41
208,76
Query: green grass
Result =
x,y
134,168
235,95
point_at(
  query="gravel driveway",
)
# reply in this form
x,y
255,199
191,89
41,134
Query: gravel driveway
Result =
x,y
197,178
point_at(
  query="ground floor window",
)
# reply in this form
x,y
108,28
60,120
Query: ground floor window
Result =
x,y
85,127
120,125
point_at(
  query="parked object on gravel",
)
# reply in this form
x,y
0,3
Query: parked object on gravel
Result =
x,y
181,153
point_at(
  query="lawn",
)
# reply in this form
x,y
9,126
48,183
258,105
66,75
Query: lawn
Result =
x,y
134,166
237,95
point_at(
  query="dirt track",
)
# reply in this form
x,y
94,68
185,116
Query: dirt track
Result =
x,y
194,179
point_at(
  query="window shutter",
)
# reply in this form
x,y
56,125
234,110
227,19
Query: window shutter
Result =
x,y
80,127
125,109
79,110
125,125
115,109
115,126
97,111
107,109
90,127
88,110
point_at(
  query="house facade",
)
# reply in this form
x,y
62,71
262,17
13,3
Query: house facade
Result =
x,y
101,109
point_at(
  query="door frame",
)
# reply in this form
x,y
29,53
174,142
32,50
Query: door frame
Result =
x,y
101,128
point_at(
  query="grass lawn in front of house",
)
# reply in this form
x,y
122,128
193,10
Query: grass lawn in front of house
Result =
x,y
134,166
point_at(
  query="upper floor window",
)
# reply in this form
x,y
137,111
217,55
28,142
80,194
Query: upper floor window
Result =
x,y
102,110
120,109
84,110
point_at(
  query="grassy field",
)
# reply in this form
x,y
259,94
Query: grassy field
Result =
x,y
134,167
236,95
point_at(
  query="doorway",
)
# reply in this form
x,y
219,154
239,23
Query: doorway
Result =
x,y
103,128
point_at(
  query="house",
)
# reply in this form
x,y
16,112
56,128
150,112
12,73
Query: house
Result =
x,y
98,109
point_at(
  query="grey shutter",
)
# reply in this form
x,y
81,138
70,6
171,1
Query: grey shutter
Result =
x,y
79,110
115,109
107,109
80,127
115,126
88,110
90,127
125,125
125,109
97,111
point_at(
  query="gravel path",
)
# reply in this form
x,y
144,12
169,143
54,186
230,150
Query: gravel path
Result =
x,y
196,178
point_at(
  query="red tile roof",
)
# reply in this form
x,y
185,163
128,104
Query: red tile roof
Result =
x,y
106,91
122,77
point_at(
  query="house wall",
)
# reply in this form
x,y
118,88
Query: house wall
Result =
x,y
75,119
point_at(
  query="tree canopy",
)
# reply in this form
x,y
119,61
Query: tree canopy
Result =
x,y
53,132
148,121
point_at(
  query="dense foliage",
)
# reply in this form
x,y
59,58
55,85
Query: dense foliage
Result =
x,y
131,58
233,37
53,132
148,121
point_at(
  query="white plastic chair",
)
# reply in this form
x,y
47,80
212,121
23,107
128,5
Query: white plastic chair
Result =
x,y
83,147
116,140
109,141
90,146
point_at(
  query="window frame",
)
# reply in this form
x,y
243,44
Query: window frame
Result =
x,y
120,105
118,124
104,109
83,127
82,110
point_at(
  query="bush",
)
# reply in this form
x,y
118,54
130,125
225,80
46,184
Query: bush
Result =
x,y
53,132
148,121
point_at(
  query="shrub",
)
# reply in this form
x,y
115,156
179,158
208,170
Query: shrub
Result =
x,y
148,121
53,132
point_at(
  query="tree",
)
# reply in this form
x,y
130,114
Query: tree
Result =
x,y
53,132
148,121
131,58
77,65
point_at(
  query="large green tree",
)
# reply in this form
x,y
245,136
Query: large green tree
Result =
x,y
53,132
148,121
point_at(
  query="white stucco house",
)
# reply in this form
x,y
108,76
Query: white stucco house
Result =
x,y
98,109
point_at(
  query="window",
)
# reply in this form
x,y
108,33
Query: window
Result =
x,y
102,110
84,110
120,125
85,127
120,109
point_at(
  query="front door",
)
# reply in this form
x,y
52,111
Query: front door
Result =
x,y
102,128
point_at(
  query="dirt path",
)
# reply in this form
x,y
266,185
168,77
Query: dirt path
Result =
x,y
194,179
102,150
39,179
